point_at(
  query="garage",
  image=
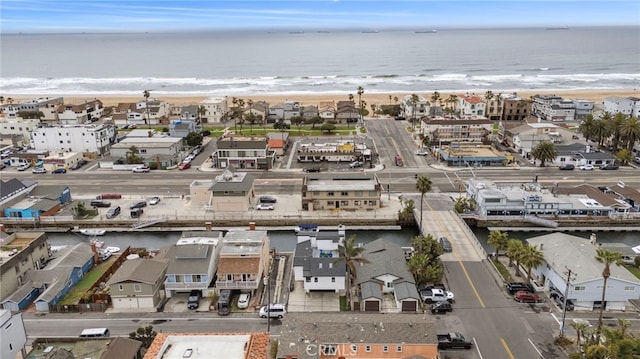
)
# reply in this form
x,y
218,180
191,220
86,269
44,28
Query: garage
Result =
x,y
409,306
372,306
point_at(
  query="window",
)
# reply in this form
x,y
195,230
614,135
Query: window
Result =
x,y
385,348
307,279
330,194
315,279
354,349
121,287
399,349
367,348
344,203
630,288
333,279
229,277
579,287
357,203
137,287
344,194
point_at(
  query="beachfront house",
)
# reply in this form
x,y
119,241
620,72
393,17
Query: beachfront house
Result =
x,y
315,264
88,112
629,106
471,105
341,191
192,263
215,109
48,106
347,112
245,259
414,109
137,284
366,336
386,272
446,130
20,253
250,152
514,108
564,251
327,110
309,112
94,139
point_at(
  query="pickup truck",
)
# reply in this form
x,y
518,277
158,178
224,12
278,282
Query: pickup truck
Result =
x,y
437,295
453,341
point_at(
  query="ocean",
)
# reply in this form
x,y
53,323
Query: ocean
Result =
x,y
280,63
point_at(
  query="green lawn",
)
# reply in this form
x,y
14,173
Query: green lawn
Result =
x,y
504,272
343,304
76,293
634,270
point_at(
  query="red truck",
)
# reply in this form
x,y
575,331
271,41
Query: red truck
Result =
x,y
399,162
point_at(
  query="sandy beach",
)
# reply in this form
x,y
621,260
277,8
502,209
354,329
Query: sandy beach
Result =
x,y
597,96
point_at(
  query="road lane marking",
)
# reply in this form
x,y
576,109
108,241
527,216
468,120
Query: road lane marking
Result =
x,y
506,348
556,319
455,253
475,344
535,348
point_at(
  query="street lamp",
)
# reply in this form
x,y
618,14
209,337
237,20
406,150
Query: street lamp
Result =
x,y
266,283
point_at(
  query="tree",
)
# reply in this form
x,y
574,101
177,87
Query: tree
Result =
x,y
452,100
435,98
351,254
145,335
146,94
360,91
614,123
531,257
201,110
586,128
132,155
601,131
580,328
328,127
193,139
424,263
396,99
314,121
544,151
373,109
624,156
630,129
498,240
428,246
414,102
608,258
515,248
423,185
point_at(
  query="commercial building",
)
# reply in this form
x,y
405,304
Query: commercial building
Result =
x,y
345,191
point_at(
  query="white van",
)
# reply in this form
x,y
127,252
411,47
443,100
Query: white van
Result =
x,y
274,311
95,333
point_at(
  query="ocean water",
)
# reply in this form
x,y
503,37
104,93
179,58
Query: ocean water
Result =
x,y
263,63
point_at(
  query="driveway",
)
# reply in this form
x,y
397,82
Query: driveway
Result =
x,y
299,301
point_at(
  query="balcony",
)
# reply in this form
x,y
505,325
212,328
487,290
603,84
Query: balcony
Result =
x,y
185,285
237,284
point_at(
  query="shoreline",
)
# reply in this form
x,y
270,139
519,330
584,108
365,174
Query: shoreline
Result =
x,y
305,99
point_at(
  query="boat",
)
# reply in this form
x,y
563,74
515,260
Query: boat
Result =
x,y
93,232
306,228
112,249
426,31
96,242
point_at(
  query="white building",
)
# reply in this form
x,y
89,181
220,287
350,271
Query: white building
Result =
x,y
89,111
48,107
18,128
471,105
421,107
79,138
14,336
150,147
562,252
314,263
216,108
629,106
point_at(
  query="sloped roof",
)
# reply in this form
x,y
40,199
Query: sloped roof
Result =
x,y
370,289
406,290
626,192
120,348
10,186
384,258
139,270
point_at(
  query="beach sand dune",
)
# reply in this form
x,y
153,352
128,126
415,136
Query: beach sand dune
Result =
x,y
378,99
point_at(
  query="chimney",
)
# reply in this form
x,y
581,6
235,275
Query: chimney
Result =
x,y
252,226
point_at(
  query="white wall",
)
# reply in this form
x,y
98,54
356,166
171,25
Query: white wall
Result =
x,y
325,283
13,336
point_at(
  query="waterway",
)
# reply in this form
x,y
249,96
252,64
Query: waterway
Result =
x,y
285,241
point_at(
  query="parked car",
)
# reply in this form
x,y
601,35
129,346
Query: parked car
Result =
x,y
437,295
113,212
567,167
422,152
77,165
558,298
100,203
38,170
312,169
514,287
399,161
274,311
637,160
136,212
194,299
59,171
205,133
138,204
446,245
184,166
399,118
154,200
441,307
356,164
24,167
611,166
265,207
188,159
267,199
586,168
141,169
526,297
453,341
243,300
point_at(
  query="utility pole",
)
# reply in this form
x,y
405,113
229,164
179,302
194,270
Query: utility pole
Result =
x,y
570,276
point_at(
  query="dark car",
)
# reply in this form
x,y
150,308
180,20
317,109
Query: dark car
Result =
x,y
194,299
78,164
59,170
610,167
514,287
441,307
312,169
526,297
446,245
100,203
558,298
206,133
267,199
567,167
138,204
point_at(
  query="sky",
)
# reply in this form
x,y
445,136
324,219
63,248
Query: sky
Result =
x,y
55,16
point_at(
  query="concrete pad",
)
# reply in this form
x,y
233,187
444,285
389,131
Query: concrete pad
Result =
x,y
299,301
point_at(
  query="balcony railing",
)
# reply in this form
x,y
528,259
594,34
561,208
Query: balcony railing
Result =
x,y
185,285
237,284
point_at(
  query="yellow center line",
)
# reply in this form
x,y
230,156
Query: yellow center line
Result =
x,y
506,348
464,269
395,145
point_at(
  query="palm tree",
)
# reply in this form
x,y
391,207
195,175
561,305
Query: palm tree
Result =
x,y
146,94
624,156
240,111
580,328
515,248
201,110
414,102
614,123
544,151
360,91
453,100
351,254
435,98
423,185
498,240
531,257
586,128
390,99
601,131
396,99
608,258
630,129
